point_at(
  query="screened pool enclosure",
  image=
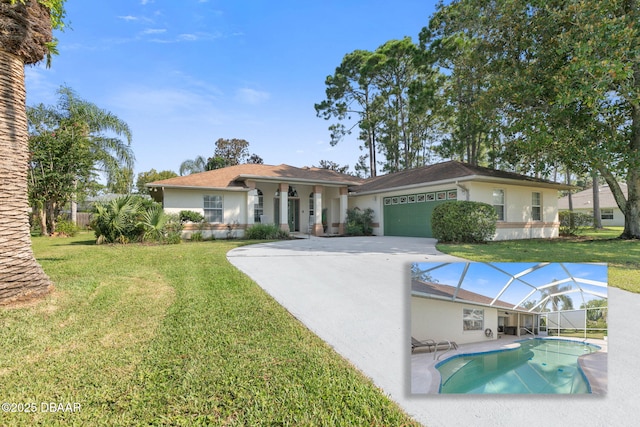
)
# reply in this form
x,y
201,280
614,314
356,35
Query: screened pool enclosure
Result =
x,y
541,299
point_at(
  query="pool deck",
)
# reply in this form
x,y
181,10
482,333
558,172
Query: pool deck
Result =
x,y
425,378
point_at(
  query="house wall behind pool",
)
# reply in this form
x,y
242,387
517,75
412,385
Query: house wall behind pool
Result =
x,y
442,320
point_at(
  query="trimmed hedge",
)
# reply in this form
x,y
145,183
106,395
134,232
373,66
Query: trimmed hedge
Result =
x,y
191,216
573,223
266,232
464,222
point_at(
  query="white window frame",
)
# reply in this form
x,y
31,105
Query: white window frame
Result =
x,y
472,319
536,209
312,205
213,206
499,203
606,213
258,207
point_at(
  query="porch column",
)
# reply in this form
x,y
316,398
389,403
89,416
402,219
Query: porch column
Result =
x,y
284,207
343,210
518,330
251,201
317,204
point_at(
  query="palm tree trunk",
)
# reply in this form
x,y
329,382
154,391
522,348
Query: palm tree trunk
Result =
x,y
20,274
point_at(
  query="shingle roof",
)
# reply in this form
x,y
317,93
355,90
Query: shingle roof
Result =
x,y
445,171
463,295
233,177
584,199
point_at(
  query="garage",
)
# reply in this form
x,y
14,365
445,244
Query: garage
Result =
x,y
410,214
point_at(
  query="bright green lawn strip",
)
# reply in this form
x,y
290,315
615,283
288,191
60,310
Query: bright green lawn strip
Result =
x,y
622,256
172,335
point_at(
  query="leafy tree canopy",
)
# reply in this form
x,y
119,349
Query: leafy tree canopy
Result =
x,y
228,152
328,164
69,144
150,176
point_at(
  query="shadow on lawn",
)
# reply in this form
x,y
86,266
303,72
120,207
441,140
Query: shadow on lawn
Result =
x,y
88,242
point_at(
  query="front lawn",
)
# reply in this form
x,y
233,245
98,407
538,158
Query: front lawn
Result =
x,y
171,335
622,256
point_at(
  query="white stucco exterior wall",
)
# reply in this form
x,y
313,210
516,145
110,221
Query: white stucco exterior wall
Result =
x,y
518,222
372,201
238,207
442,320
234,209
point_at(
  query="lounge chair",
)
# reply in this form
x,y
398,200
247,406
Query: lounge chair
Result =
x,y
421,344
431,345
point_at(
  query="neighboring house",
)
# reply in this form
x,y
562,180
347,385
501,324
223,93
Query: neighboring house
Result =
x,y
610,213
315,200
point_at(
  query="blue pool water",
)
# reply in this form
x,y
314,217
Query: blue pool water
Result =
x,y
537,366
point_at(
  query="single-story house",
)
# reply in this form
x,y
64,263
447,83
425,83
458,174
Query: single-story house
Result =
x,y
314,200
582,201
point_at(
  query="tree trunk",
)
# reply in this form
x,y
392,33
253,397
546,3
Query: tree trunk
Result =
x,y
42,218
20,274
632,211
597,218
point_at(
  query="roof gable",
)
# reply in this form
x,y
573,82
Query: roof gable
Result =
x,y
443,172
235,177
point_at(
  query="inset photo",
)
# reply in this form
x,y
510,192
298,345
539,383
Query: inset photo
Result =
x,y
508,328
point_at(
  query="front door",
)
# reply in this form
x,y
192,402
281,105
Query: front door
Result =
x,y
294,214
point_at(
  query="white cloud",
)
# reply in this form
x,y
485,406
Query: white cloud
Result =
x,y
39,84
128,18
188,37
154,31
251,96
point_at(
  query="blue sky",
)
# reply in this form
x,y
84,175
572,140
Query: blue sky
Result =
x,y
184,73
483,279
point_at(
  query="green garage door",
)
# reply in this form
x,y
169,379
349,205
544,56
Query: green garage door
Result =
x,y
410,214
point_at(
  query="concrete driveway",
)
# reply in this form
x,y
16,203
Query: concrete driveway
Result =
x,y
354,294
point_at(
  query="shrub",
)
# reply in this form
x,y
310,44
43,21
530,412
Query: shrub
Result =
x,y
117,221
133,219
354,229
173,230
266,232
464,222
191,216
573,223
66,228
359,222
153,221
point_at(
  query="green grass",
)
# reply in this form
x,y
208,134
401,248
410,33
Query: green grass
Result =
x,y
171,335
622,256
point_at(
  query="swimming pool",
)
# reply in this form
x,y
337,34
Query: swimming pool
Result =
x,y
537,366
